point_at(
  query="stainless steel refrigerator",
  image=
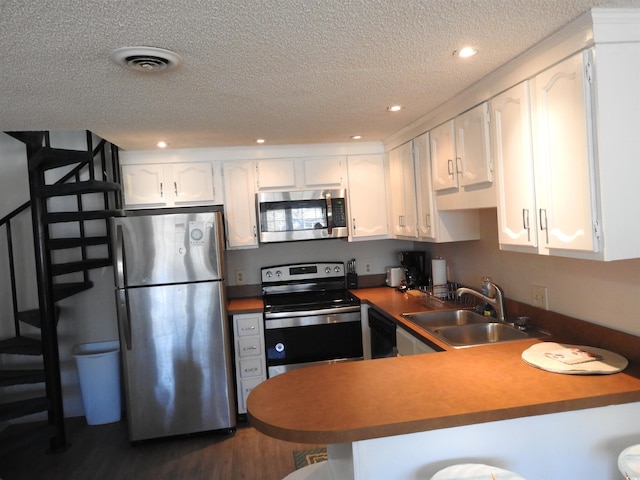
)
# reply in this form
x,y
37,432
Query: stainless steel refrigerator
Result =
x,y
174,333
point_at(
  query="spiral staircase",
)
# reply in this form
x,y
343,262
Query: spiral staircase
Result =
x,y
75,189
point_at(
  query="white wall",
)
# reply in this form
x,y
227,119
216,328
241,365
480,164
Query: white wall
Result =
x,y
379,253
606,293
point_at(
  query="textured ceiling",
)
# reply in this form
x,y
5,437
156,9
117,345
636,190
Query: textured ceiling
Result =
x,y
291,71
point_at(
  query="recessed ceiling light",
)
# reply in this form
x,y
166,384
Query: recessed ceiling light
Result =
x,y
465,52
162,144
356,137
260,140
394,108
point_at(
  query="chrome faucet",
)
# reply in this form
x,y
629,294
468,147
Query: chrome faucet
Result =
x,y
496,299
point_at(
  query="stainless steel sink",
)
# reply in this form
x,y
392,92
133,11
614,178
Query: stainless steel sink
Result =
x,y
446,318
479,334
466,328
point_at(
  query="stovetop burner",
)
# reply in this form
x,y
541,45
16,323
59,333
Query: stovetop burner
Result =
x,y
306,287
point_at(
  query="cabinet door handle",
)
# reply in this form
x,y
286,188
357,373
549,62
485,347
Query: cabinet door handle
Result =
x,y
543,223
353,223
525,223
428,221
459,165
450,167
252,347
175,188
161,190
255,232
244,329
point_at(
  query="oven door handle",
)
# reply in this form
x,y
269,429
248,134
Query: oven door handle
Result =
x,y
327,198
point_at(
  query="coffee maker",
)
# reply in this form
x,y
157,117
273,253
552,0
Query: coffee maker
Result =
x,y
414,268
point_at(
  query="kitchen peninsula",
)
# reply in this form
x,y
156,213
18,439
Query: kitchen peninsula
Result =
x,y
407,417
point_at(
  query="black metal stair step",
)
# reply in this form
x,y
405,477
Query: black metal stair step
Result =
x,y
47,158
62,243
20,377
22,408
33,317
21,346
76,188
64,290
80,266
57,217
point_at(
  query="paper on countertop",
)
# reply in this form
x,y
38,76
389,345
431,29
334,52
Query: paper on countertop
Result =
x,y
572,355
606,362
475,471
629,461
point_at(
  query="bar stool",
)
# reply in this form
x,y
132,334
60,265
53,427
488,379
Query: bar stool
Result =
x,y
629,462
470,471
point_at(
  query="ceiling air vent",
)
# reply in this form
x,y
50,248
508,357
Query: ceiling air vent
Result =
x,y
146,59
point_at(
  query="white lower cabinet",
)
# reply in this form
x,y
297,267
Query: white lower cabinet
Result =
x,y
407,344
250,361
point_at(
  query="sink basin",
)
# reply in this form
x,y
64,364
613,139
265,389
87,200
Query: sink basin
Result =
x,y
479,334
446,318
466,328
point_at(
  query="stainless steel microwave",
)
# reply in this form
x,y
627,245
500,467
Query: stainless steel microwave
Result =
x,y
302,215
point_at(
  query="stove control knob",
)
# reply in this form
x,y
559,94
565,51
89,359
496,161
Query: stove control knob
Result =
x,y
268,274
327,270
337,269
278,273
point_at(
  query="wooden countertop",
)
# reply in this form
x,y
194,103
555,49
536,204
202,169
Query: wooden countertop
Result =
x,y
353,401
245,305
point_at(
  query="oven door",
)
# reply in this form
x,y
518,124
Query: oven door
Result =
x,y
295,342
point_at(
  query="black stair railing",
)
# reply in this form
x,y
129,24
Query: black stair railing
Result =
x,y
6,223
41,158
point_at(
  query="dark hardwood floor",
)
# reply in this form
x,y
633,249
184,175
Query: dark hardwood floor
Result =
x,y
103,452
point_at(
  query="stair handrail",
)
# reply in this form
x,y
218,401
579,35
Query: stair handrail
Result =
x,y
6,222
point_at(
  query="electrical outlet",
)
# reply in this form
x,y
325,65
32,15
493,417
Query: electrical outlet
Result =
x,y
241,278
539,296
367,267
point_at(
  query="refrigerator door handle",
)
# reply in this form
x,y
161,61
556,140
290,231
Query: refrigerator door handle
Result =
x,y
119,260
123,315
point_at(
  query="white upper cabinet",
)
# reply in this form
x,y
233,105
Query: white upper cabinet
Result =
x,y
168,184
403,192
324,171
427,213
564,161
367,197
513,156
275,174
544,162
443,157
300,173
473,152
433,225
460,150
239,204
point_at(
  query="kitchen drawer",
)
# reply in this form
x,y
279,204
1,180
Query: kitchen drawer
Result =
x,y
245,387
247,324
251,367
249,346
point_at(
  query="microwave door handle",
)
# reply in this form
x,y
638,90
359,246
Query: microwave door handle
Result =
x,y
327,197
